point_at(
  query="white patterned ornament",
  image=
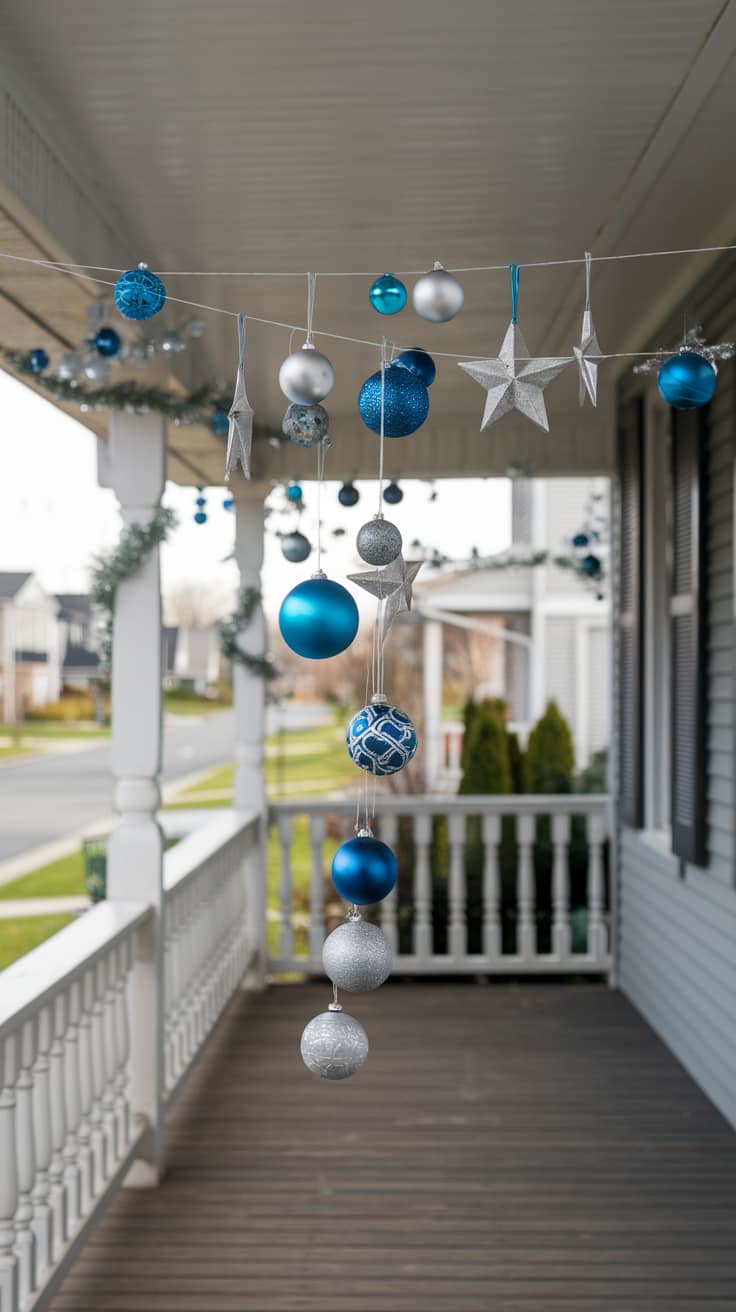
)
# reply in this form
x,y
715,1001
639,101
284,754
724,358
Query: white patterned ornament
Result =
x,y
334,1045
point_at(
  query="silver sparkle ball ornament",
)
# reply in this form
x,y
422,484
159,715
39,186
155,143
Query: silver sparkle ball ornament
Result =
x,y
97,370
172,342
438,296
378,542
334,1045
305,425
69,366
357,956
306,376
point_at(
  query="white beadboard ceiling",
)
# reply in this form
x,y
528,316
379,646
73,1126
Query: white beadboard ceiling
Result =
x,y
277,135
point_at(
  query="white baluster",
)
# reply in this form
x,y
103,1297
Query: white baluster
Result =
x,y
423,946
316,892
491,830
42,1216
456,924
597,932
97,1128
122,1046
25,1242
84,1134
8,1174
526,935
71,1102
286,933
57,1191
389,831
110,1051
560,886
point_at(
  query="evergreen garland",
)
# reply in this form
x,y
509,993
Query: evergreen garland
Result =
x,y
137,541
231,630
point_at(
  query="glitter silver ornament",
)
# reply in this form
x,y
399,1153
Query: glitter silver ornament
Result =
x,y
306,376
334,1045
305,425
378,542
97,370
172,342
438,296
69,366
357,956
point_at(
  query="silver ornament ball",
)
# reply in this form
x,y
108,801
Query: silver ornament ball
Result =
x,y
438,296
334,1045
306,376
306,425
378,542
69,366
172,342
97,370
357,956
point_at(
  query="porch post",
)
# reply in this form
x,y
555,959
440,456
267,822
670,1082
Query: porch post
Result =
x,y
249,698
135,466
433,701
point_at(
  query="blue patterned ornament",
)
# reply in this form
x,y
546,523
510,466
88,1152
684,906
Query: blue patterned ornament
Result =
x,y
418,362
406,402
381,739
139,294
348,495
364,870
107,343
388,294
318,618
38,360
687,380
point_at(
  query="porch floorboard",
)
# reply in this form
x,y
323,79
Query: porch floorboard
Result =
x,y
509,1148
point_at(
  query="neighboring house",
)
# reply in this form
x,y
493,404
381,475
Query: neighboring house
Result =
x,y
80,660
30,660
192,656
552,631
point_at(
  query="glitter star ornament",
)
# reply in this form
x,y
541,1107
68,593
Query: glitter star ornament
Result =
x,y
393,585
240,417
587,353
514,380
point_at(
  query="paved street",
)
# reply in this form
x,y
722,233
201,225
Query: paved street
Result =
x,y
43,799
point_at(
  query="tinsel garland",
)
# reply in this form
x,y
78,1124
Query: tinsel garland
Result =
x,y
137,541
128,396
230,632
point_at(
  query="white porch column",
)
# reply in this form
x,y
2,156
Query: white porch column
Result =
x,y
135,466
249,698
537,620
433,701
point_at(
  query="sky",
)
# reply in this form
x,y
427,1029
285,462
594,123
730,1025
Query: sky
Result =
x,y
55,517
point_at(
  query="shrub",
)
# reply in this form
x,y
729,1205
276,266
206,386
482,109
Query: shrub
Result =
x,y
66,710
549,763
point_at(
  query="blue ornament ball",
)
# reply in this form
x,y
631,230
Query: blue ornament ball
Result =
x,y
388,294
687,380
220,423
418,362
580,540
381,739
318,619
107,343
364,870
201,501
392,494
591,566
38,360
139,294
294,492
200,517
348,495
227,503
406,402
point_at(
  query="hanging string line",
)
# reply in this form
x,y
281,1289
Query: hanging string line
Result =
x,y
321,457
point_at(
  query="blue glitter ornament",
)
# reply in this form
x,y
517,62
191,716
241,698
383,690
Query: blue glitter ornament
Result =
x,y
38,360
228,503
348,495
139,294
381,739
294,492
107,343
200,517
220,423
418,362
687,380
364,870
392,494
318,618
406,402
580,540
388,294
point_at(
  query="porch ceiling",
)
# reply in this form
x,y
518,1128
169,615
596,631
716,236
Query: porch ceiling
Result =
x,y
271,136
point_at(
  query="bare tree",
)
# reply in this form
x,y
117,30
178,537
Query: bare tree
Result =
x,y
197,605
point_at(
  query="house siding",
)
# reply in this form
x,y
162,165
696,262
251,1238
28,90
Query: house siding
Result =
x,y
676,922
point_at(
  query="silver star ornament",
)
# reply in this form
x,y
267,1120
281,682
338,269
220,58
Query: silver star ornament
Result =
x,y
240,417
585,355
514,380
393,586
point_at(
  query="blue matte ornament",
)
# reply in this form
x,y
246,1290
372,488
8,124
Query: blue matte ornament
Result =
x,y
139,294
392,494
406,402
228,503
294,492
580,540
388,294
38,360
318,618
687,380
381,739
364,870
200,517
348,495
418,362
201,501
107,343
591,566
219,423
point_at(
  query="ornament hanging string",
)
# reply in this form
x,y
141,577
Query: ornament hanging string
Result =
x,y
588,263
515,274
311,294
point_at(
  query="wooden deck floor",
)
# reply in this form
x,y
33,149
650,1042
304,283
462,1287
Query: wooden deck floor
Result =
x,y
506,1149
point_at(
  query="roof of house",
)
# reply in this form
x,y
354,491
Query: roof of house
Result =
x,y
74,603
11,584
78,658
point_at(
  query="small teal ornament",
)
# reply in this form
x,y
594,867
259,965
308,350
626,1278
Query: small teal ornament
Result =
x,y
580,540
201,501
200,517
687,380
348,495
294,492
38,360
406,402
381,739
318,618
418,362
219,423
591,566
392,494
107,343
364,870
388,294
139,294
227,503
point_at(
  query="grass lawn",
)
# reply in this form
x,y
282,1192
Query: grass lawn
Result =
x,y
6,752
19,936
181,705
62,878
53,729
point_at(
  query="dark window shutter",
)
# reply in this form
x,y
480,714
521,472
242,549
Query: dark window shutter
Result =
x,y
687,631
631,484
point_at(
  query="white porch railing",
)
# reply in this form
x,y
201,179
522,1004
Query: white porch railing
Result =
x,y
518,924
74,1044
449,768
